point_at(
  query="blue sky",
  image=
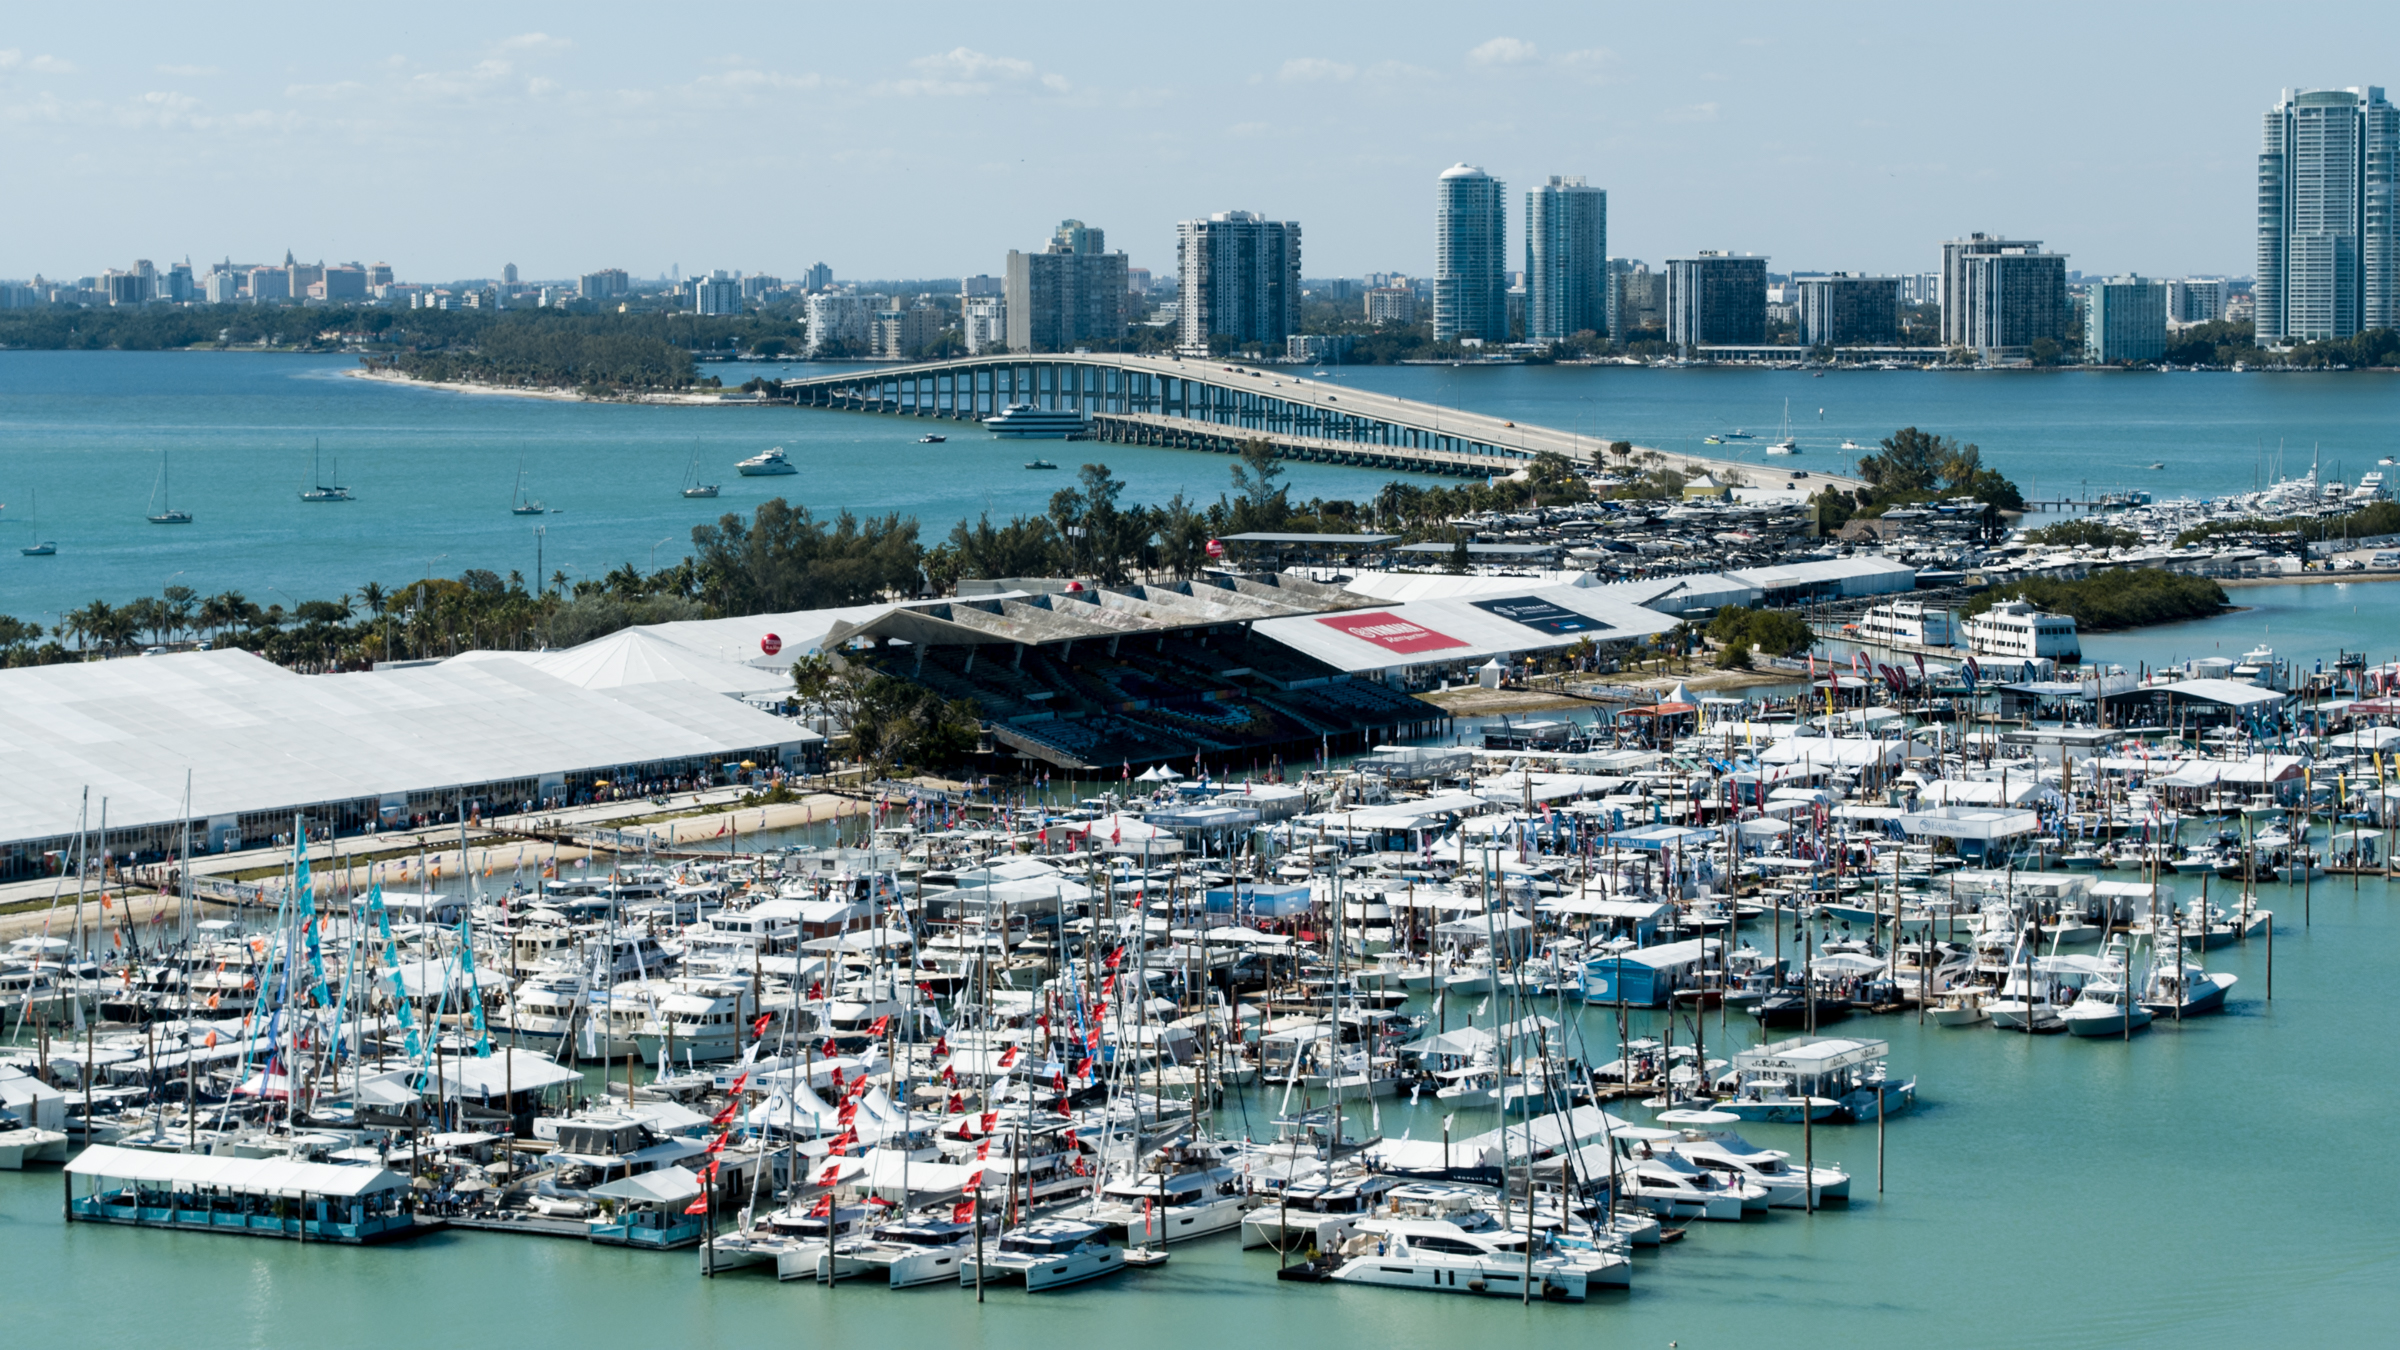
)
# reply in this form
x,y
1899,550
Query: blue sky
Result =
x,y
928,139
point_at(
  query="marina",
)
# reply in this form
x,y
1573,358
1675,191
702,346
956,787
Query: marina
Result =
x,y
807,1091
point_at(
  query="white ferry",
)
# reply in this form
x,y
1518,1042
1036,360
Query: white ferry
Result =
x,y
1905,621
766,465
1025,422
2017,630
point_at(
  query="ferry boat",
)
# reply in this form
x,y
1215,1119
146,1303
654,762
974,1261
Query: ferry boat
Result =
x,y
1905,621
1025,422
2017,630
768,464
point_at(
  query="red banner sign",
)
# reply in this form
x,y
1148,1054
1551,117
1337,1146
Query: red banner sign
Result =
x,y
1390,630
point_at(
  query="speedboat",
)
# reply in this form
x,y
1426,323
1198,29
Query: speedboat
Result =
x,y
1046,1254
2104,1008
930,439
1961,1007
766,464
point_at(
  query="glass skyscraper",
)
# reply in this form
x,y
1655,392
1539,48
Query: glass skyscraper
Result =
x,y
1566,260
2326,252
1470,257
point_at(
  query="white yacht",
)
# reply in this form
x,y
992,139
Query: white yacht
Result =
x,y
1728,1154
1905,621
1187,1194
1456,1248
1046,1254
766,464
1025,422
2018,631
1673,1187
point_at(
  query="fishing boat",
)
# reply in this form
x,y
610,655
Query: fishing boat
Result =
x,y
40,548
165,500
766,464
2104,1008
2176,989
320,490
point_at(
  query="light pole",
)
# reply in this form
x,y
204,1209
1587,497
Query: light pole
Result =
x,y
654,551
538,584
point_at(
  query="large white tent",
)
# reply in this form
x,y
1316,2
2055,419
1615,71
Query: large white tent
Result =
x,y
257,739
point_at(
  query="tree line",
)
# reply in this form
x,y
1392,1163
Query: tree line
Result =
x,y
2120,597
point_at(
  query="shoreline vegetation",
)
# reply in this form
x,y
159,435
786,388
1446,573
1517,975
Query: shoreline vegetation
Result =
x,y
2113,600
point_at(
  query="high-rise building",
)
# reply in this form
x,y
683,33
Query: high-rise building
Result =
x,y
981,284
838,324
379,274
1716,299
2328,171
1239,278
2197,299
345,285
1637,299
1470,256
2000,296
508,274
609,283
1072,292
269,285
1566,260
2126,320
1391,304
983,323
1841,310
125,288
900,333
719,292
816,278
223,286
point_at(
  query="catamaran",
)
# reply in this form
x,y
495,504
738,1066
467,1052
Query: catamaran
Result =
x,y
322,491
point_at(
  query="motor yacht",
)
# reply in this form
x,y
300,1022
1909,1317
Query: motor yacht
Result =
x,y
766,464
1047,1253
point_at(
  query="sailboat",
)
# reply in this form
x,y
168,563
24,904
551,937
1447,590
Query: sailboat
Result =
x,y
323,491
1784,444
41,548
522,504
692,486
168,515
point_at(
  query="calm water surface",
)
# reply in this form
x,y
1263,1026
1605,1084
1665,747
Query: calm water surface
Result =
x,y
83,435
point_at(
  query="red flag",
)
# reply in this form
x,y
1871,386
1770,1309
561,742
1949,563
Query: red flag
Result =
x,y
848,1113
1115,957
698,1206
759,1027
949,1076
1083,1067
991,1119
837,1078
983,1150
963,1212
724,1117
1008,1057
823,1208
957,1106
941,1043
925,989
882,1025
717,1145
833,1051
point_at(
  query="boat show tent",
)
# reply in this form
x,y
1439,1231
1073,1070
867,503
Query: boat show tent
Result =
x,y
253,1176
641,656
261,742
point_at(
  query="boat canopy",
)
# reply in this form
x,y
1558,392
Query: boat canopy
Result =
x,y
248,1176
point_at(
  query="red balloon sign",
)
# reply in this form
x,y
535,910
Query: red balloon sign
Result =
x,y
770,644
1216,549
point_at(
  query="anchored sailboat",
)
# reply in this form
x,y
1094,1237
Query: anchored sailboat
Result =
x,y
163,498
692,486
523,505
40,548
323,491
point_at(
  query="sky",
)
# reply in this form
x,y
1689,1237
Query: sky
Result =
x,y
927,139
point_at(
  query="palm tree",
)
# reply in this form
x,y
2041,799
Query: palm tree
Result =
x,y
373,597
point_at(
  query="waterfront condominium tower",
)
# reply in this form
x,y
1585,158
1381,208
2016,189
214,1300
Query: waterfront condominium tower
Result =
x,y
2326,253
1470,256
2000,296
1239,278
1566,260
1716,299
1072,292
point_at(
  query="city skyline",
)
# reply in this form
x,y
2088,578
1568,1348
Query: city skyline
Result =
x,y
539,135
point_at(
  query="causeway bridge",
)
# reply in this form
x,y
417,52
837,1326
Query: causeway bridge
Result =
x,y
1209,404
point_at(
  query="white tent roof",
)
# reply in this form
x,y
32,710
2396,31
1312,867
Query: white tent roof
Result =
x,y
258,737
641,656
254,1176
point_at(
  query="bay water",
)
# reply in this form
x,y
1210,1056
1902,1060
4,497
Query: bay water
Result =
x,y
84,437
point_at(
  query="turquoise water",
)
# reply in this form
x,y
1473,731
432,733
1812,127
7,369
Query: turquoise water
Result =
x,y
435,471
2221,1183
